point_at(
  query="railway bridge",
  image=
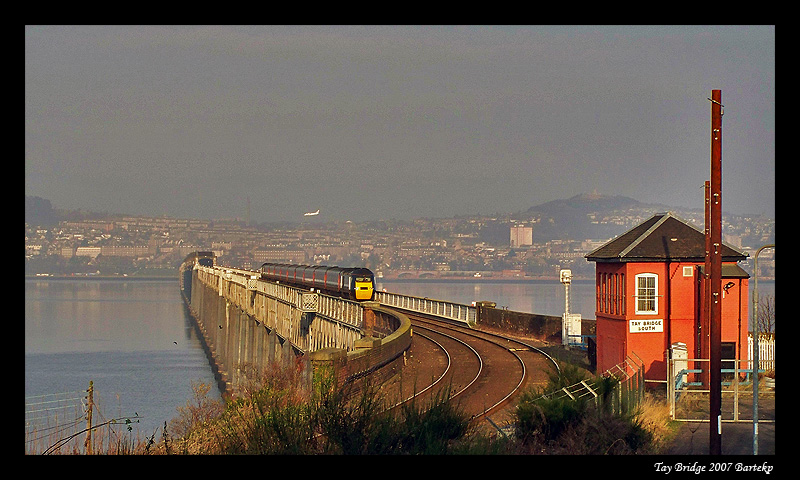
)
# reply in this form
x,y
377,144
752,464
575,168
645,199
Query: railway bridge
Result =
x,y
248,323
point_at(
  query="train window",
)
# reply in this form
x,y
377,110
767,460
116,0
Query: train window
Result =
x,y
363,279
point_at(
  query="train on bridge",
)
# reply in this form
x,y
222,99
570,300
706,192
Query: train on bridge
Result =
x,y
353,283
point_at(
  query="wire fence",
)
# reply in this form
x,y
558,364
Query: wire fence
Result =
x,y
52,417
626,394
63,423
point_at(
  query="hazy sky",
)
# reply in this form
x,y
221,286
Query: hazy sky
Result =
x,y
393,122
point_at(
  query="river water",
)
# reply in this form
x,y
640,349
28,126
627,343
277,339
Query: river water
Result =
x,y
134,341
546,298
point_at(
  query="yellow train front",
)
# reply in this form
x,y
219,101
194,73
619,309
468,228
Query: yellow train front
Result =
x,y
352,283
363,284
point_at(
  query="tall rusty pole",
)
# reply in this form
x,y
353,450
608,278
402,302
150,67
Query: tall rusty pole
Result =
x,y
715,260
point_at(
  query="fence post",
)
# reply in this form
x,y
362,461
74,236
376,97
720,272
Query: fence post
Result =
x,y
88,444
641,383
671,387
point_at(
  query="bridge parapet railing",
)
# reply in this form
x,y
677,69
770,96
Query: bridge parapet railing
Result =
x,y
449,310
337,309
341,310
370,356
248,280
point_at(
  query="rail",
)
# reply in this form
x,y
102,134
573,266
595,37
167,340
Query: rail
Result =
x,y
452,311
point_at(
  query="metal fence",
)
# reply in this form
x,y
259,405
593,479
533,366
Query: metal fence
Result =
x,y
626,394
331,314
53,417
449,310
689,393
62,423
766,351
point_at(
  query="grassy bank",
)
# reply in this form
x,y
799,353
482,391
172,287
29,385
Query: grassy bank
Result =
x,y
274,416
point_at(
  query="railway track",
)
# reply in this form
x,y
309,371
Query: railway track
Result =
x,y
481,372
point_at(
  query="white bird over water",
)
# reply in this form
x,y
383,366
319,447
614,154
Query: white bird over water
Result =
x,y
311,214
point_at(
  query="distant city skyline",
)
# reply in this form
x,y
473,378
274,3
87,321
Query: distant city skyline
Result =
x,y
392,122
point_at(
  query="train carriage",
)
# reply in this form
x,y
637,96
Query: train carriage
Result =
x,y
353,283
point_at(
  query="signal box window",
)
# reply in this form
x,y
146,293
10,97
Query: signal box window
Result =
x,y
647,293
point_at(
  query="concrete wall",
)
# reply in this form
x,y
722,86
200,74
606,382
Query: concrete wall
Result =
x,y
542,327
371,354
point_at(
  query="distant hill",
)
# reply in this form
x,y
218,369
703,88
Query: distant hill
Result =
x,y
39,211
569,218
585,203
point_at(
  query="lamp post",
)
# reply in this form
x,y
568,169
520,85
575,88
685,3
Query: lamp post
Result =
x,y
565,276
755,348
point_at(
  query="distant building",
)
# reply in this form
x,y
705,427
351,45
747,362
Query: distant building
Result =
x,y
221,245
521,236
279,256
87,252
125,251
100,225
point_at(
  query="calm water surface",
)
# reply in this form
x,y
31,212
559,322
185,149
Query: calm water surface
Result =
x,y
131,338
545,298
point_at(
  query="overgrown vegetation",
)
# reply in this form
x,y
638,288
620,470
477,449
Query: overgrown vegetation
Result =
x,y
558,424
275,416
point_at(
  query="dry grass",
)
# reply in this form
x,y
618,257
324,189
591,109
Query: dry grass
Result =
x,y
653,415
274,415
598,432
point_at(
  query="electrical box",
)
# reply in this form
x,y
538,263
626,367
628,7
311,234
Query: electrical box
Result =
x,y
571,329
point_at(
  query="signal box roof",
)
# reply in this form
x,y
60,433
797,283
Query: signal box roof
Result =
x,y
661,238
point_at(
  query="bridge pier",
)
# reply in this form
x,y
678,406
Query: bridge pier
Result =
x,y
369,317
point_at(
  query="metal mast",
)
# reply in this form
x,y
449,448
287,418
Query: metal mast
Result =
x,y
714,258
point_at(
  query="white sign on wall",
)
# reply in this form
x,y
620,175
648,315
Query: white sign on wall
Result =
x,y
644,326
